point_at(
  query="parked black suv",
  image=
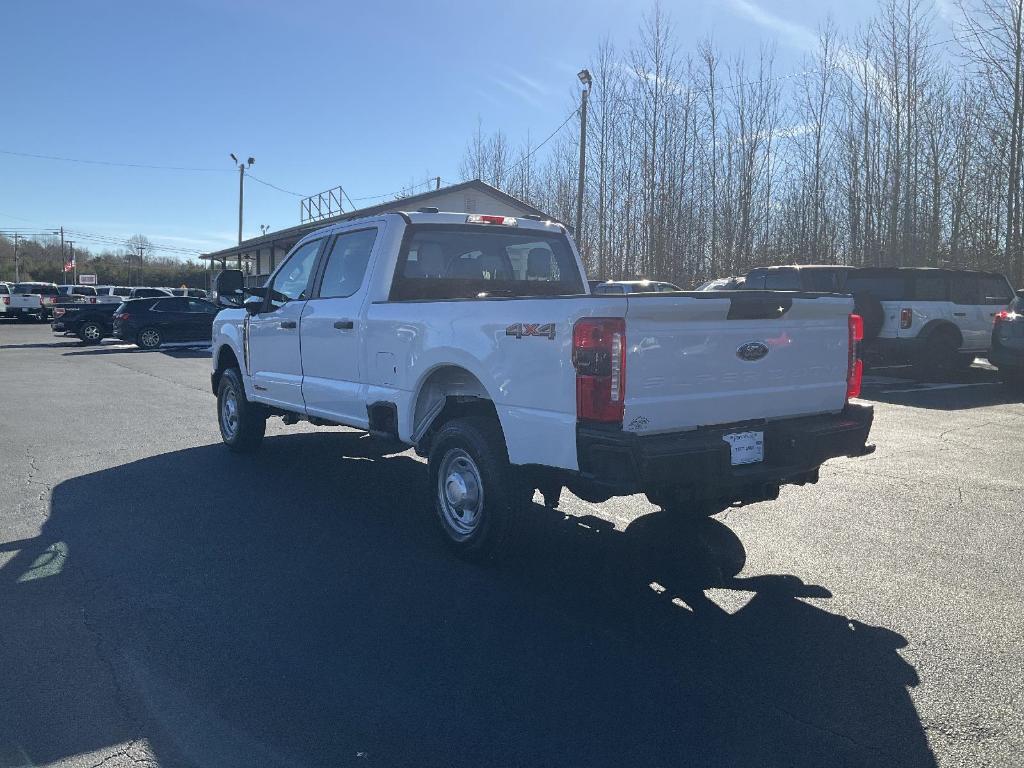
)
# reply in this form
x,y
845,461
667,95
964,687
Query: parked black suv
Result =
x,y
1007,351
151,322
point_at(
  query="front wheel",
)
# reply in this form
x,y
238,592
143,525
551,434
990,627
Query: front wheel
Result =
x,y
477,498
242,423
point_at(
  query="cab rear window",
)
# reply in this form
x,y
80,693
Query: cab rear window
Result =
x,y
465,262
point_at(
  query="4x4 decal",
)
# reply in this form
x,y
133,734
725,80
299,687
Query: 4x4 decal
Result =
x,y
531,329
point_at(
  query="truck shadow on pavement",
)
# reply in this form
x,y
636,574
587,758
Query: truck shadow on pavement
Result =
x,y
296,607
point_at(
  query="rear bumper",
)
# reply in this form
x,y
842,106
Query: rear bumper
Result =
x,y
697,463
1005,358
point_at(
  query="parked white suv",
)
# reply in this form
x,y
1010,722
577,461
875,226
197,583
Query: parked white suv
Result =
x,y
475,339
937,319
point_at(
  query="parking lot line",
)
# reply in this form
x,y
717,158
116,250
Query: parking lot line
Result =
x,y
922,387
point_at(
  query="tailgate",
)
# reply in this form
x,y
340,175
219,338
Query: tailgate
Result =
x,y
29,300
739,356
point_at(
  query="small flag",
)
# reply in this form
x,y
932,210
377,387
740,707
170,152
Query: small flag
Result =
x,y
69,266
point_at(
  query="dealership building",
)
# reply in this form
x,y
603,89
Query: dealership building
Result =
x,y
259,256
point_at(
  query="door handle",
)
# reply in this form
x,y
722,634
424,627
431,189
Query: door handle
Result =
x,y
288,324
344,325
959,314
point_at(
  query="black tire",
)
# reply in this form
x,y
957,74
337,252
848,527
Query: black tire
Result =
x,y
471,454
940,354
91,332
149,338
871,311
243,432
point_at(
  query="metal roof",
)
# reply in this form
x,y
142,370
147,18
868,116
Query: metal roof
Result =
x,y
411,203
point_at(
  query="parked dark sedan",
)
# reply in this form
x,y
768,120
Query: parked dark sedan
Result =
x,y
151,322
1007,351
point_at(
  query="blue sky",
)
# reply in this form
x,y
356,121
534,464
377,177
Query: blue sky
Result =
x,y
370,96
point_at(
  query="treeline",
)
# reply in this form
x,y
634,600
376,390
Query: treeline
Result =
x,y
890,145
40,260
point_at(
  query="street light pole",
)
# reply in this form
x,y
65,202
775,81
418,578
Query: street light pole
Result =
x,y
584,76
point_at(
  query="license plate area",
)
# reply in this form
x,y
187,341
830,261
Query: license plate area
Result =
x,y
745,447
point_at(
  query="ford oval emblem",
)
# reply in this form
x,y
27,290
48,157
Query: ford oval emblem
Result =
x,y
751,351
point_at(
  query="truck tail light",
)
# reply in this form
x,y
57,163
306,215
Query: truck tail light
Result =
x,y
1000,316
59,312
855,366
906,318
7,299
476,218
122,316
599,357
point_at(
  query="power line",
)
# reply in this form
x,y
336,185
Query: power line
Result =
x,y
273,186
114,163
429,181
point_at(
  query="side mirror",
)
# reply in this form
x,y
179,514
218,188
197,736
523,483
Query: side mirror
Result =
x,y
253,304
227,287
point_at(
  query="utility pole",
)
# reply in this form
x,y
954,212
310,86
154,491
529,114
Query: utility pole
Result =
x,y
17,271
584,76
74,264
241,196
62,258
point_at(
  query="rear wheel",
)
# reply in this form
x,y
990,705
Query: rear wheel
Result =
x,y
149,338
941,354
242,423
478,500
91,332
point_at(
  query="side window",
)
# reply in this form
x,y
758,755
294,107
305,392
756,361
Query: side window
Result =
x,y
755,280
995,290
291,283
198,307
782,280
609,289
169,305
346,266
964,289
819,280
931,288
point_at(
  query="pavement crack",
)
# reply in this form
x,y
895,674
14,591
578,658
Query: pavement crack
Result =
x,y
158,378
125,751
33,473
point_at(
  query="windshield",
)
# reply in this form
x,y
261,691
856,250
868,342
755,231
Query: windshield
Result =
x,y
462,262
39,290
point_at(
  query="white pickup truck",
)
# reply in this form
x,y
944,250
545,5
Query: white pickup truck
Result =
x,y
475,339
32,301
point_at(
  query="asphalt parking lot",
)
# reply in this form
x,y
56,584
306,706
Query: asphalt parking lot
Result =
x,y
165,602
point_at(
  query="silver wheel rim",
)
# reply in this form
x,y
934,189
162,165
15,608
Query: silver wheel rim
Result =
x,y
150,338
229,413
460,493
91,332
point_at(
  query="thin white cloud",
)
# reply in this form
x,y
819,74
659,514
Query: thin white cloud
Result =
x,y
947,10
797,34
518,90
534,85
